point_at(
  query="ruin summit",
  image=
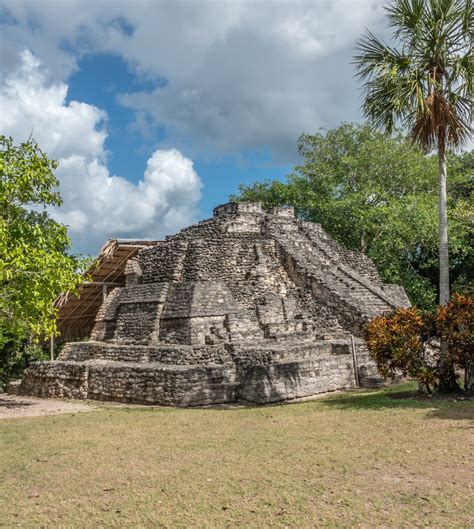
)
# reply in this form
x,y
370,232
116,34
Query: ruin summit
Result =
x,y
251,304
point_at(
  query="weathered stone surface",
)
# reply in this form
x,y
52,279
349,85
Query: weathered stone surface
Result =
x,y
250,304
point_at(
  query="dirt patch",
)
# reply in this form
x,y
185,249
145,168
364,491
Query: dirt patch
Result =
x,y
13,406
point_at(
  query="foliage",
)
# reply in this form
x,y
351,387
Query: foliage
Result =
x,y
397,342
16,352
455,323
407,341
34,262
461,204
426,83
377,194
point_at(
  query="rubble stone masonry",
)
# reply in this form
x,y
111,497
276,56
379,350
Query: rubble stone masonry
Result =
x,y
251,304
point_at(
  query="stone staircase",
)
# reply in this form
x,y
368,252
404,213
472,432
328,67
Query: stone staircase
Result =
x,y
315,263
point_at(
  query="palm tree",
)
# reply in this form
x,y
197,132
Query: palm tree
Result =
x,y
425,84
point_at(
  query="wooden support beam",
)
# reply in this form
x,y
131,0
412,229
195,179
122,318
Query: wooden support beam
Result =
x,y
354,361
108,283
94,314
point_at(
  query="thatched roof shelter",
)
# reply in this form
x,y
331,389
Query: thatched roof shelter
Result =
x,y
77,314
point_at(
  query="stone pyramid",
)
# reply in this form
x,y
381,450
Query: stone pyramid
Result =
x,y
252,304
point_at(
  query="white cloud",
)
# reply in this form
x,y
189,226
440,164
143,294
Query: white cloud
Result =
x,y
96,205
31,106
242,75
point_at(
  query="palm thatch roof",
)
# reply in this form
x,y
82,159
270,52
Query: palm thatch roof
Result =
x,y
77,314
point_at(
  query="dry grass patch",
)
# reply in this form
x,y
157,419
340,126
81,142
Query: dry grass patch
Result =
x,y
359,459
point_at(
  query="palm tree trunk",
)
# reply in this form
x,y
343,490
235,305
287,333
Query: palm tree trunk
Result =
x,y
443,226
448,382
469,377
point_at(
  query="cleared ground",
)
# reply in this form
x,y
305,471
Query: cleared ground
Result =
x,y
13,407
360,459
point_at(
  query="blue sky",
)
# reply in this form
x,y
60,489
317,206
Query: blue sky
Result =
x,y
157,111
129,150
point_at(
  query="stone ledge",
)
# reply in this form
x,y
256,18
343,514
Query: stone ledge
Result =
x,y
317,369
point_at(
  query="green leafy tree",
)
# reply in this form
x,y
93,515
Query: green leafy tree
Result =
x,y
35,266
377,194
425,85
461,208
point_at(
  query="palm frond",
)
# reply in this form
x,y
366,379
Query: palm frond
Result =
x,y
405,17
389,98
442,117
426,84
374,57
460,128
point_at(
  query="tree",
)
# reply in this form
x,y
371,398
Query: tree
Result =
x,y
461,207
35,266
426,85
377,194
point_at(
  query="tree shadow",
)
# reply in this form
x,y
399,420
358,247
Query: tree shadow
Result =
x,y
404,396
454,413
13,404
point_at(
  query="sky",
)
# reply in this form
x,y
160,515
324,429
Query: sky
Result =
x,y
158,110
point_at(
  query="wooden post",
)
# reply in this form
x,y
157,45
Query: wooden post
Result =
x,y
104,292
51,348
354,360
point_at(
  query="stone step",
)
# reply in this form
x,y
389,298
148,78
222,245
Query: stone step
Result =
x,y
343,285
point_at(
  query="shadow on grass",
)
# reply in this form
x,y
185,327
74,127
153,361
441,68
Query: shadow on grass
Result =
x,y
403,396
14,404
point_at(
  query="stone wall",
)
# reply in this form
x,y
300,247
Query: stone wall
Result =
x,y
164,354
56,379
250,373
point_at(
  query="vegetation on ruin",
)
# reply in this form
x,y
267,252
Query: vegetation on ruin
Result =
x,y
364,458
35,264
378,194
406,342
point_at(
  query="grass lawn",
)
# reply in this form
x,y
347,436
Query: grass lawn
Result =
x,y
360,459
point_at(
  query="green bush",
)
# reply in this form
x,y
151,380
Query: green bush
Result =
x,y
455,324
16,352
407,342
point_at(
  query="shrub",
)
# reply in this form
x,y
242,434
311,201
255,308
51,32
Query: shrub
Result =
x,y
398,342
455,324
407,342
16,352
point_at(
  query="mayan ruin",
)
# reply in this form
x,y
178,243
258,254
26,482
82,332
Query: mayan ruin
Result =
x,y
251,304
